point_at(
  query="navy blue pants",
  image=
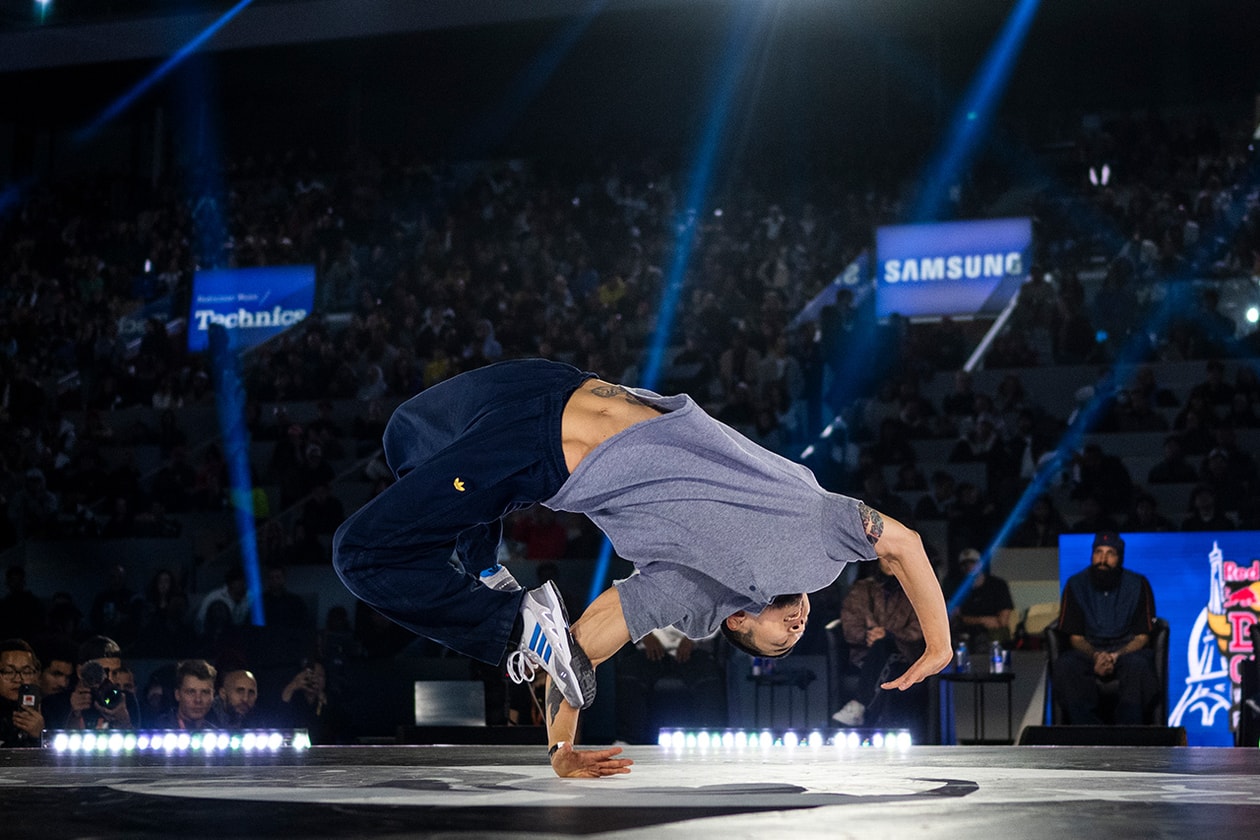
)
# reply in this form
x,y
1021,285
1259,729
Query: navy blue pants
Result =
x,y
465,453
1076,685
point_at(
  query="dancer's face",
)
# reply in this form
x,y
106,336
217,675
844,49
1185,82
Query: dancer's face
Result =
x,y
779,626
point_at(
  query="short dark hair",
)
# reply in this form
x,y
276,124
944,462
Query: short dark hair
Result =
x,y
20,645
197,668
743,641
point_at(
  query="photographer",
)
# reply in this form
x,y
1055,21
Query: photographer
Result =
x,y
305,704
20,719
96,701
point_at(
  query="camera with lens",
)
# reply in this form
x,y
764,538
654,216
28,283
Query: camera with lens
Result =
x,y
105,694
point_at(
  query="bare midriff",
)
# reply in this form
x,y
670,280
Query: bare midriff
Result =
x,y
594,413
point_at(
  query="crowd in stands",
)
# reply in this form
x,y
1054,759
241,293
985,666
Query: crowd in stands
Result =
x,y
428,270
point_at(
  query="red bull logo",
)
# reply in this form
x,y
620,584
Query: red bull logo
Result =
x,y
1219,642
1233,607
1242,598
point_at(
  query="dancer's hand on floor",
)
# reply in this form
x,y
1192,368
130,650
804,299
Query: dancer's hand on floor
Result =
x,y
588,764
931,662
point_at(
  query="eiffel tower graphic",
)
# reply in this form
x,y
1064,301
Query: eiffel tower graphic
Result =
x,y
1208,687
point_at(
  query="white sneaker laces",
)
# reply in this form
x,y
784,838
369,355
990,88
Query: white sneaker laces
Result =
x,y
521,667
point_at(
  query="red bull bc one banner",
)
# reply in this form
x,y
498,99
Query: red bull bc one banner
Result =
x,y
1207,586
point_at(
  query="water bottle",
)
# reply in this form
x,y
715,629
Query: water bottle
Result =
x,y
997,659
498,577
962,661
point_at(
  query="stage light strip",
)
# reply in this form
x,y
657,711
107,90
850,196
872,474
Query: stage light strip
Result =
x,y
741,740
170,742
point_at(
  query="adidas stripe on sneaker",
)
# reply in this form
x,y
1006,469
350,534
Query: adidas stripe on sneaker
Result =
x,y
547,643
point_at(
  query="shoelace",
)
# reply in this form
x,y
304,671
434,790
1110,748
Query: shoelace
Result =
x,y
521,666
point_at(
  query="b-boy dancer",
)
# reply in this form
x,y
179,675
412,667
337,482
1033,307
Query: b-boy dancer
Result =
x,y
723,534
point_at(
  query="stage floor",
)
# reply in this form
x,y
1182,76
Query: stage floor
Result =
x,y
480,791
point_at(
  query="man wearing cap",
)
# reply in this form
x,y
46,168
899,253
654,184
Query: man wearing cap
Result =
x,y
96,701
985,613
1107,612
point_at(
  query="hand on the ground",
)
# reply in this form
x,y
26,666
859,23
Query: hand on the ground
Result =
x,y
931,662
588,764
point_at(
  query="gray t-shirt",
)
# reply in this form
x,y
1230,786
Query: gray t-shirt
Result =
x,y
712,522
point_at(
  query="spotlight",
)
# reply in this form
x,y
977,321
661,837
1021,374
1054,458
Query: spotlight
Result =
x,y
1253,315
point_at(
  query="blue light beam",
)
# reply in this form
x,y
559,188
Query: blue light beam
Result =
x,y
230,401
971,119
125,101
728,77
730,71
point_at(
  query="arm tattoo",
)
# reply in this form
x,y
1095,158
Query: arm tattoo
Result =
x,y
613,391
554,699
872,522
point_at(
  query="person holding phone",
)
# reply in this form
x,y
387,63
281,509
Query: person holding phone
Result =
x,y
21,722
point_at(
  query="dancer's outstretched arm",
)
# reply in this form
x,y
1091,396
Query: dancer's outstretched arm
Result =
x,y
601,631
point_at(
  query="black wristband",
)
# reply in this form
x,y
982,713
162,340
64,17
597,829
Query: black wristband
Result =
x,y
551,752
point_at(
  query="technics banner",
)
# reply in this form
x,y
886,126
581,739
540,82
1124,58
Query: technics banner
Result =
x,y
252,304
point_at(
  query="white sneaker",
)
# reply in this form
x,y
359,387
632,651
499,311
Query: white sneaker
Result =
x,y
853,714
547,643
